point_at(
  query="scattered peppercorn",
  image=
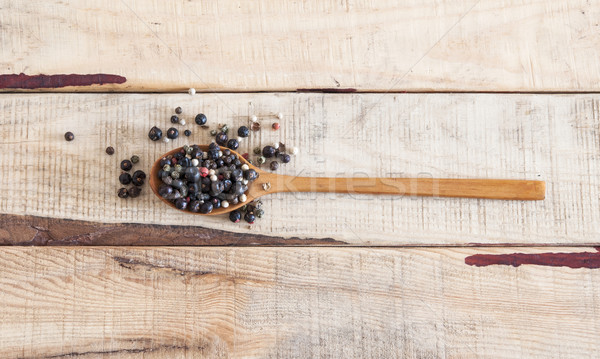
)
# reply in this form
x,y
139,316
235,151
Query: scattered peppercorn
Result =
x,y
246,155
257,151
200,119
268,151
125,178
138,177
233,144
274,165
285,158
255,126
188,133
135,159
235,216
155,133
174,119
178,110
126,165
110,151
69,136
134,191
243,131
213,132
249,217
123,193
261,160
275,125
172,133
221,139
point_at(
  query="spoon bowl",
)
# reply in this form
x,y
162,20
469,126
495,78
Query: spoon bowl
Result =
x,y
267,183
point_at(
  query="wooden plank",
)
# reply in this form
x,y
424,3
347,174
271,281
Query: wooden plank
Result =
x,y
293,302
531,45
547,137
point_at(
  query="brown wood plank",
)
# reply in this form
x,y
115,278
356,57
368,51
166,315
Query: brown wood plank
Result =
x,y
270,45
294,302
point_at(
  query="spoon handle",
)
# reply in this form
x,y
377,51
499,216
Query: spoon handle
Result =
x,y
431,187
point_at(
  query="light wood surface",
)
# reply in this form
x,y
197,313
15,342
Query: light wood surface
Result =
x,y
554,138
291,303
532,45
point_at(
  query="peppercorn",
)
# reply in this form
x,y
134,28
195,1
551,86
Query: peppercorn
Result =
x,y
260,160
174,119
235,216
165,190
155,133
213,132
206,208
125,178
250,175
172,133
181,203
188,133
274,165
275,125
215,202
134,191
225,128
255,126
110,151
126,165
138,177
178,110
285,158
221,138
194,206
135,159
123,193
249,217
69,136
268,151
243,131
200,119
233,144
259,212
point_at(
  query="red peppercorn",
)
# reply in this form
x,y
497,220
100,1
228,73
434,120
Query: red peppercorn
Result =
x,y
174,161
246,155
276,126
203,171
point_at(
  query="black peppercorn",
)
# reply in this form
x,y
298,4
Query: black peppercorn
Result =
x,y
221,138
155,133
206,208
181,203
188,133
249,217
250,175
274,165
110,151
126,165
200,119
69,136
123,193
138,177
178,110
134,192
125,178
268,151
233,144
165,190
174,119
285,158
194,206
215,202
243,131
235,216
172,133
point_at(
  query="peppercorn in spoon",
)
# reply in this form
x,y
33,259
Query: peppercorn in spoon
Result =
x,y
235,188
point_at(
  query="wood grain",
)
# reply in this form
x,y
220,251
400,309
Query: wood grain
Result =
x,y
531,45
291,303
554,138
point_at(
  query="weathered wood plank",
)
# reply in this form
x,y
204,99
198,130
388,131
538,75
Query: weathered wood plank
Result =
x,y
532,45
549,137
292,303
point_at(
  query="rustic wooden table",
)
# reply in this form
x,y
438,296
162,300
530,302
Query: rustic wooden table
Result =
x,y
481,89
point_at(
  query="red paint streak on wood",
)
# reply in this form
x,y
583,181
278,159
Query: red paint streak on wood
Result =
x,y
572,260
22,81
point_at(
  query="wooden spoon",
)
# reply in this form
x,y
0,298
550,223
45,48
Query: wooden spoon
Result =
x,y
268,183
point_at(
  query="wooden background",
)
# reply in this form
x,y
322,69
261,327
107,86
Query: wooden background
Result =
x,y
481,89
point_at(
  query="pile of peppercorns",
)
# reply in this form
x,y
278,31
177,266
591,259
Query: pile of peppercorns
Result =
x,y
137,179
200,181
